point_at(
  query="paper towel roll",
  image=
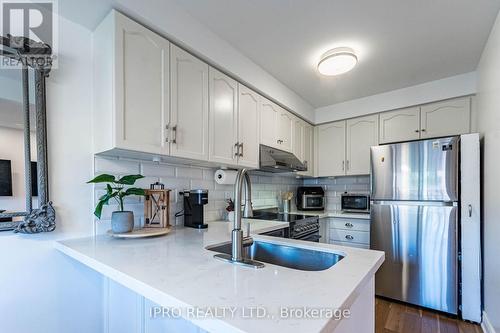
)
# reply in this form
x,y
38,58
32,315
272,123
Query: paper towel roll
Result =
x,y
225,177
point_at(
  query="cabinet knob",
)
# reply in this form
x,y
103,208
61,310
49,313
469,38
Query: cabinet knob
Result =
x,y
349,237
349,225
423,129
416,131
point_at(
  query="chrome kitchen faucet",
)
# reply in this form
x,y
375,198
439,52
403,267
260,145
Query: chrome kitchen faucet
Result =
x,y
238,241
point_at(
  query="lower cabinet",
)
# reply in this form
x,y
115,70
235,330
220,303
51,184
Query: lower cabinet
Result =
x,y
347,232
129,312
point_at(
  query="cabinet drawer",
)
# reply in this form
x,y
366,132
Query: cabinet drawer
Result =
x,y
360,246
350,224
350,236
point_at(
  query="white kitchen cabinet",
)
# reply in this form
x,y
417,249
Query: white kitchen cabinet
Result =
x,y
189,105
362,133
131,80
308,149
331,149
298,138
451,117
348,232
400,125
248,127
269,118
223,118
285,130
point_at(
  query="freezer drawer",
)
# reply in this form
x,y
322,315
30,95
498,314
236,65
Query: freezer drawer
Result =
x,y
424,170
420,244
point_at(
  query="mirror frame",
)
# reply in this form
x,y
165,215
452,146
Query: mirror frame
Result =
x,y
38,56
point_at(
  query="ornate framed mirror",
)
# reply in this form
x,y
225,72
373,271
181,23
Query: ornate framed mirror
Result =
x,y
24,195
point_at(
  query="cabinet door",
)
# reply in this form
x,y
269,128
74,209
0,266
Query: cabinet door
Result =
x,y
400,125
269,115
362,133
331,149
285,130
445,118
189,105
141,87
308,149
223,118
298,138
248,127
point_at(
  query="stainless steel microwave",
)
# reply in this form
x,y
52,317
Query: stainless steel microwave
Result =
x,y
355,203
310,198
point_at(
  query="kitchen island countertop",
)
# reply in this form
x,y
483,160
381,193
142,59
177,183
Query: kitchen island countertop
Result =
x,y
158,268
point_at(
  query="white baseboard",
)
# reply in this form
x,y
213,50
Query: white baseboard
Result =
x,y
486,325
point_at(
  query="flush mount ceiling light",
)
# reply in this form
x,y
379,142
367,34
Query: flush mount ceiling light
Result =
x,y
337,61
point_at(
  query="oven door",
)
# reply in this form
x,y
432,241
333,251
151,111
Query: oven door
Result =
x,y
312,237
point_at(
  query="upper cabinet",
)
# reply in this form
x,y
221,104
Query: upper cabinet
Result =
x,y
445,118
269,120
223,118
234,122
343,147
276,126
400,125
188,105
330,145
308,149
298,138
361,133
285,130
248,127
131,87
450,117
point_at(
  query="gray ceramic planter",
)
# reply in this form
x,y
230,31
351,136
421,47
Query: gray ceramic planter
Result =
x,y
122,222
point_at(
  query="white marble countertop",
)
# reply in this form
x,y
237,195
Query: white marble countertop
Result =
x,y
177,271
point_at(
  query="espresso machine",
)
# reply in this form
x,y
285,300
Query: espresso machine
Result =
x,y
194,200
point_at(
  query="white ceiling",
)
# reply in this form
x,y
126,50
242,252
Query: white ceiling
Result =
x,y
399,43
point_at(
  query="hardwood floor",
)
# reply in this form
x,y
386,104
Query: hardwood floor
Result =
x,y
391,317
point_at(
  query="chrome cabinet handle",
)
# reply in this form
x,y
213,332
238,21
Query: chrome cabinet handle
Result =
x,y
343,165
349,237
166,132
237,147
470,210
416,131
349,225
241,152
423,129
174,130
347,164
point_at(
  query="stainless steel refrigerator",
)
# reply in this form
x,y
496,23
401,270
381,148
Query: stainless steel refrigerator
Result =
x,y
414,212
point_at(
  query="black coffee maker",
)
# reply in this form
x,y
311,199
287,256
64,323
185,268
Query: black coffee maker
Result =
x,y
194,200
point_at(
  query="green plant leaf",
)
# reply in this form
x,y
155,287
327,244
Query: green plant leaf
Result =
x,y
129,180
134,191
109,189
98,209
104,178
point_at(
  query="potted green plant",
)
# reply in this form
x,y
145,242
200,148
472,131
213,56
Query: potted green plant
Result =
x,y
121,221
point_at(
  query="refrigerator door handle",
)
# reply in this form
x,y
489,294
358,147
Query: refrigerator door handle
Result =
x,y
415,203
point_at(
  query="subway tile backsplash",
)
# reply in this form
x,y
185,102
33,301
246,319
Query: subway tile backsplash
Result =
x,y
266,188
334,187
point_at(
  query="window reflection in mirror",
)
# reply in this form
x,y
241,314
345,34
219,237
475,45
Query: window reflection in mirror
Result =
x,y
12,156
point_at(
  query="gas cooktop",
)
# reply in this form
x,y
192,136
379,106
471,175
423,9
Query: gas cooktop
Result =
x,y
274,216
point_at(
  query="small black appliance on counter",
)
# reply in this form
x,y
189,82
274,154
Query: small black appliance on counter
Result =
x,y
194,200
310,198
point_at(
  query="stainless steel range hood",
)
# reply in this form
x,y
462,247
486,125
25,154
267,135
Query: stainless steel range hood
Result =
x,y
276,160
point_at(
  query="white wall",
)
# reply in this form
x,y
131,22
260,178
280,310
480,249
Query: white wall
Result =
x,y
489,126
176,24
455,86
42,290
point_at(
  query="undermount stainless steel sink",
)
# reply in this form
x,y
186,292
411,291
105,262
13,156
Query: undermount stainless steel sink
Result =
x,y
283,255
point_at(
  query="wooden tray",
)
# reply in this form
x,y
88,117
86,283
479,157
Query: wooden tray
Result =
x,y
141,233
